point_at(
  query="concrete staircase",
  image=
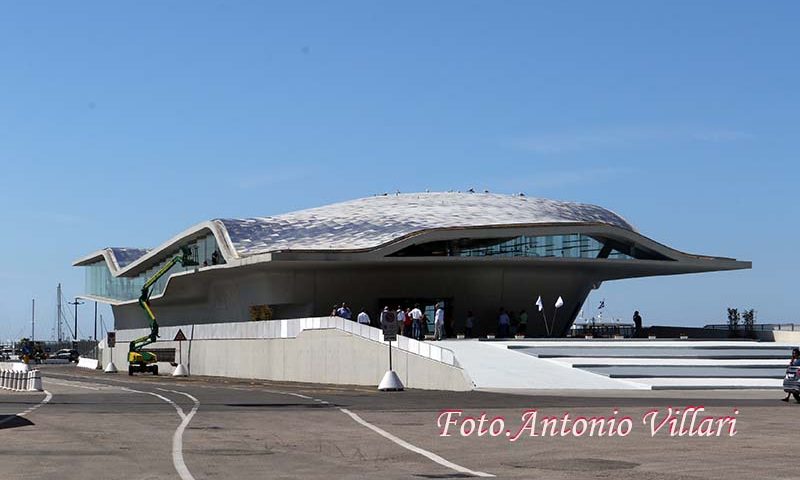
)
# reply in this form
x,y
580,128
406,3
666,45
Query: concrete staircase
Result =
x,y
669,364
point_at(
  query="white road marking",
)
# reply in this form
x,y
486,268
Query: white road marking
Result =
x,y
47,397
177,437
430,455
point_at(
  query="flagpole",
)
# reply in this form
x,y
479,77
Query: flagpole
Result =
x,y
559,304
540,305
546,326
555,314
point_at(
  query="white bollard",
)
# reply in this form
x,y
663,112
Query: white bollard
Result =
x,y
37,381
3,379
15,381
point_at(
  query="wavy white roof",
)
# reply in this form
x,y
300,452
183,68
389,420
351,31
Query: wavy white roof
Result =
x,y
370,222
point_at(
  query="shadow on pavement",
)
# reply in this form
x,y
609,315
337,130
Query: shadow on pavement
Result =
x,y
13,421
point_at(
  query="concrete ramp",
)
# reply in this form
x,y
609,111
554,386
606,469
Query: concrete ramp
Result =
x,y
490,365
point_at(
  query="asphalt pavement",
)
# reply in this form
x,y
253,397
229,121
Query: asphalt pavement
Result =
x,y
90,425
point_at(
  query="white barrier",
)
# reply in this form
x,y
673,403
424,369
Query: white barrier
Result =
x,y
88,363
16,366
19,381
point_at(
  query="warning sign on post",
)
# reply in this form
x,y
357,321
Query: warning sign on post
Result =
x,y
179,337
389,324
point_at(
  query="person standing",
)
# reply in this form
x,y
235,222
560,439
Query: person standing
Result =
x,y
523,323
407,329
469,325
794,361
363,318
637,324
416,322
438,323
503,323
400,316
344,311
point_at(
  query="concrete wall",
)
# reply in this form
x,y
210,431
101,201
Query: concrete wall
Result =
x,y
324,355
784,336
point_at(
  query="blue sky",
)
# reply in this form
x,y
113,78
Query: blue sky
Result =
x,y
124,123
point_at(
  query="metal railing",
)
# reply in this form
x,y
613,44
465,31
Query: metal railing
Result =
x,y
760,327
289,328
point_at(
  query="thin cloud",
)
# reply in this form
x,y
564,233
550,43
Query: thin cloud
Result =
x,y
620,137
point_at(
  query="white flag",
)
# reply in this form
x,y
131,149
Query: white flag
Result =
x,y
539,303
559,303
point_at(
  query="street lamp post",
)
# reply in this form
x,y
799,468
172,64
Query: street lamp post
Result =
x,y
76,303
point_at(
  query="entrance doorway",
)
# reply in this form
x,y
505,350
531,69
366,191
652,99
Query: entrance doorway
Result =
x,y
427,305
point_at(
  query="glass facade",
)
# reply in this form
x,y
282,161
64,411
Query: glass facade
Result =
x,y
562,246
100,281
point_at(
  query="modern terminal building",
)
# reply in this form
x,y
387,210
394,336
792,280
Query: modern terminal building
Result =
x,y
475,252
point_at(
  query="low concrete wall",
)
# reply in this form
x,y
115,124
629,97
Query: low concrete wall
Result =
x,y
787,336
89,363
328,355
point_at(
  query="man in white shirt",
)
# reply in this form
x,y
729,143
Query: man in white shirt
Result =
x,y
416,327
438,323
363,318
400,314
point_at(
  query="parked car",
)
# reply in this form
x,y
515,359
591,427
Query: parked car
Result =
x,y
66,354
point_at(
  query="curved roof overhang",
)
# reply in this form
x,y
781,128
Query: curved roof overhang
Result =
x,y
686,261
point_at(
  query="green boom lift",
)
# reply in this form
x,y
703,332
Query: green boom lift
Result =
x,y
139,360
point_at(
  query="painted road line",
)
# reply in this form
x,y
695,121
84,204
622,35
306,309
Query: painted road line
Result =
x,y
47,397
430,455
177,437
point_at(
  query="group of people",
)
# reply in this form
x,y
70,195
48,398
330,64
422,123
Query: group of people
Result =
x,y
509,324
412,322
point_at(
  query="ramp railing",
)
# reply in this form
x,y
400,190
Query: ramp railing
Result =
x,y
290,328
